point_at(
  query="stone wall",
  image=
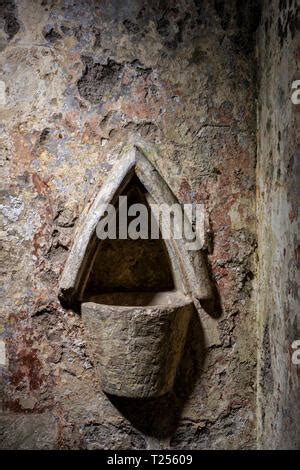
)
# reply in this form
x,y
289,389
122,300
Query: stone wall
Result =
x,y
81,78
278,177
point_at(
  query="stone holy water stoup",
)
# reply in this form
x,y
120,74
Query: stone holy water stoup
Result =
x,y
135,335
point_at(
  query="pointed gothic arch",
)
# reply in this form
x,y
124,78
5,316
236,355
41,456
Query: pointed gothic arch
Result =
x,y
189,270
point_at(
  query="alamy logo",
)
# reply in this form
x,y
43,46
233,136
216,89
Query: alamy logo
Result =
x,y
296,354
2,93
296,93
139,221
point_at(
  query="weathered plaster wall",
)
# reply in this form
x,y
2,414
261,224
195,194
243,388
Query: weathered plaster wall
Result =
x,y
278,177
81,77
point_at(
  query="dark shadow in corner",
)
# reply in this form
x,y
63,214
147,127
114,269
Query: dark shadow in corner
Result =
x,y
212,306
158,417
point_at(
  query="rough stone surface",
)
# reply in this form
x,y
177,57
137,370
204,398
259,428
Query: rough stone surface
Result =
x,y
136,350
8,21
28,431
278,178
81,78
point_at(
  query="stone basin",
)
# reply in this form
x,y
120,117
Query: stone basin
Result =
x,y
136,340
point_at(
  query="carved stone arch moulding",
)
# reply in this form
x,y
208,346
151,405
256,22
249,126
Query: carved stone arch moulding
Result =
x,y
136,337
189,267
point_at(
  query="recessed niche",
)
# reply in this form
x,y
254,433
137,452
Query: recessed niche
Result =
x,y
130,271
136,295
